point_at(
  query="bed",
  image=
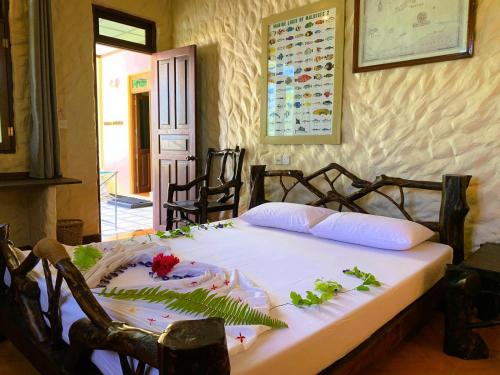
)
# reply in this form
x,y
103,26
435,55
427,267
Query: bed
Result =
x,y
339,337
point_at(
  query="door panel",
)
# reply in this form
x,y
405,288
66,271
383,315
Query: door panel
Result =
x,y
143,157
173,125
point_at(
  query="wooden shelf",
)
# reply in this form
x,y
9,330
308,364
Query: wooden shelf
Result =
x,y
35,182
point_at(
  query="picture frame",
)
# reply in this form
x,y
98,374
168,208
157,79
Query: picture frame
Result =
x,y
390,34
302,74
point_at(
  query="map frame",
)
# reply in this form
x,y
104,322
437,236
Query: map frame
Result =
x,y
430,57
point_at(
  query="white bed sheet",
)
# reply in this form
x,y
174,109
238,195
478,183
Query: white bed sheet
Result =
x,y
280,261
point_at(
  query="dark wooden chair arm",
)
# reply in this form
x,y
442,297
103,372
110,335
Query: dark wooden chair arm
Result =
x,y
189,185
207,190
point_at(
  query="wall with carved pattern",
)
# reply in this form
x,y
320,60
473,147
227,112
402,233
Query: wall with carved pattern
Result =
x,y
416,122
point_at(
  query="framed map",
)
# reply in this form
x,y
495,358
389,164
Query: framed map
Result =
x,y
392,33
302,65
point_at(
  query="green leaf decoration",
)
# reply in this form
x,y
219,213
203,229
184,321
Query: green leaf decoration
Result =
x,y
362,288
199,302
328,289
185,231
85,257
368,279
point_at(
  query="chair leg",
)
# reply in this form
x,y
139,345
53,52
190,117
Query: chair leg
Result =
x,y
235,209
203,217
170,219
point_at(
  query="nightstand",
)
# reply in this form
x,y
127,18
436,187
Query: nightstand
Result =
x,y
472,289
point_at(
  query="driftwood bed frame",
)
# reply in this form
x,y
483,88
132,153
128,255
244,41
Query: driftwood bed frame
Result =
x,y
199,347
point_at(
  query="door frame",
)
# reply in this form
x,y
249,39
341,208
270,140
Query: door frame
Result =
x,y
132,120
112,43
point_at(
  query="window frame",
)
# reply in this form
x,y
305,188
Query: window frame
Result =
x,y
124,18
8,142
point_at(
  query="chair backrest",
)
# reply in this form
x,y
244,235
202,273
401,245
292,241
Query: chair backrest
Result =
x,y
231,164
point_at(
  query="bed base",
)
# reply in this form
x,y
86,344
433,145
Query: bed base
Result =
x,y
387,337
23,322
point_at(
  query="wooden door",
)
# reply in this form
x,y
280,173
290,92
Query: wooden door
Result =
x,y
173,125
143,153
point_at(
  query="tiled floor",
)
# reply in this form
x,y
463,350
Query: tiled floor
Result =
x,y
419,355
128,220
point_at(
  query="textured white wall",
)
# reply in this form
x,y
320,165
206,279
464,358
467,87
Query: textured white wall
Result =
x,y
417,122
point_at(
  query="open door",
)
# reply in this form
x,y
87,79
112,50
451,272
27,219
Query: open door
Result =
x,y
142,144
173,126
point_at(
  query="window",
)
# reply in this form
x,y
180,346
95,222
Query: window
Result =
x,y
7,143
122,30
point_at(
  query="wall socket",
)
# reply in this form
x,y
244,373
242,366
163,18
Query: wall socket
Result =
x,y
281,159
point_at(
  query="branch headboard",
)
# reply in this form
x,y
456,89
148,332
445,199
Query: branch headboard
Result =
x,y
453,188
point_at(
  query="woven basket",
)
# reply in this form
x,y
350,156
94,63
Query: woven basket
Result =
x,y
70,231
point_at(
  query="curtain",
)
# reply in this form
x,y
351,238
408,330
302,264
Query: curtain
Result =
x,y
44,142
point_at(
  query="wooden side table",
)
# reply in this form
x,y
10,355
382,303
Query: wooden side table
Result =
x,y
472,286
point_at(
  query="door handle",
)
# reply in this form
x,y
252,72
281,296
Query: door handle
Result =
x,y
191,158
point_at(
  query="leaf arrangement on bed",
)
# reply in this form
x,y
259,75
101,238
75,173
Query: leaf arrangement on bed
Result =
x,y
327,289
185,231
199,302
85,257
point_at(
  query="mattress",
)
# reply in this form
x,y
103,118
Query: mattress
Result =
x,y
280,261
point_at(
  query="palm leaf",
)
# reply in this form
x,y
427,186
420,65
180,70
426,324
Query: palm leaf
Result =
x,y
199,302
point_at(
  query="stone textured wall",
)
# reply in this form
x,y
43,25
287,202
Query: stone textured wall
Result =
x,y
417,122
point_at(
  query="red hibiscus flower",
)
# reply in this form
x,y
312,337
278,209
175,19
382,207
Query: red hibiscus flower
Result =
x,y
163,264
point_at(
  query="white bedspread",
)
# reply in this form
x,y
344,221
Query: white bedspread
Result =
x,y
279,261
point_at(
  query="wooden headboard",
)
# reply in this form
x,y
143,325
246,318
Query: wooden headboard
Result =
x,y
454,207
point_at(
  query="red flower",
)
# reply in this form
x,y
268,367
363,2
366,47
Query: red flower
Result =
x,y
163,264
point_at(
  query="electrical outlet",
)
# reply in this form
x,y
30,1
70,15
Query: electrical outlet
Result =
x,y
285,159
63,124
278,159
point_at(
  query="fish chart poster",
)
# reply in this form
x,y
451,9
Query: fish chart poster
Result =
x,y
302,77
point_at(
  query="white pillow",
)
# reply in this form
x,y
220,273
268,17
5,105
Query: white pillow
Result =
x,y
371,230
289,216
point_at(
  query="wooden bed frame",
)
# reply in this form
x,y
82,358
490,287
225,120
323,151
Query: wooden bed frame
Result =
x,y
194,347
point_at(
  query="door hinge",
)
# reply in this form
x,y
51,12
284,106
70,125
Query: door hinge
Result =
x,y
10,131
5,43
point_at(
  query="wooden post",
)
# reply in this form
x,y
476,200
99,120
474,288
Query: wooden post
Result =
x,y
194,347
461,288
454,208
257,190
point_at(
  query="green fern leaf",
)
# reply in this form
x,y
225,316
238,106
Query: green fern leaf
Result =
x,y
199,302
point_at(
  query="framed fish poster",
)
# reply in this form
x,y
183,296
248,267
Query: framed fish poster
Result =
x,y
302,68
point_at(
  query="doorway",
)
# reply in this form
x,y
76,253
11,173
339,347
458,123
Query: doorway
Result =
x,y
123,87
166,111
140,135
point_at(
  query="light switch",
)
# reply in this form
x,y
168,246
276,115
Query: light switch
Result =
x,y
285,159
277,159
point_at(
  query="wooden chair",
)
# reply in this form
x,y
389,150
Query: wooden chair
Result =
x,y
227,191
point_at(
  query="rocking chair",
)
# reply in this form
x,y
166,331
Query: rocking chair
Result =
x,y
228,192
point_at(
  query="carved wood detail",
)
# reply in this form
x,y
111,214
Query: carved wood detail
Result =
x,y
453,189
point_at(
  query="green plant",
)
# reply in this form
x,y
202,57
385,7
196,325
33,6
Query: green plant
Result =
x,y
199,302
84,257
327,289
368,279
185,231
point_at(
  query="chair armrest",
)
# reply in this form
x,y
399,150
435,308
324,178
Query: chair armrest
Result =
x,y
217,189
189,185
